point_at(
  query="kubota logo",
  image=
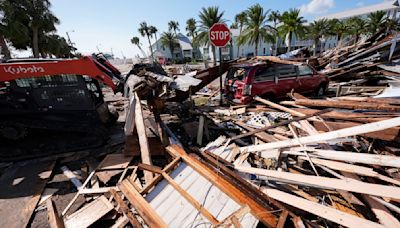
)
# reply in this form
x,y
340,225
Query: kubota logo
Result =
x,y
22,70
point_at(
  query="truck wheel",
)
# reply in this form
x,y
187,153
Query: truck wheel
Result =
x,y
269,96
321,90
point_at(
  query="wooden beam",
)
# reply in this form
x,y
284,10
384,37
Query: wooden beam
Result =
x,y
90,213
55,220
326,182
264,136
125,209
384,216
364,158
141,131
282,219
347,105
190,199
283,123
328,213
144,209
224,185
158,178
360,170
151,168
388,134
363,129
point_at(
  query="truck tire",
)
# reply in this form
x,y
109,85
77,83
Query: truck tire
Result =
x,y
321,91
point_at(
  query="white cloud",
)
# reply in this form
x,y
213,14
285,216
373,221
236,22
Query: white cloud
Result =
x,y
317,6
359,4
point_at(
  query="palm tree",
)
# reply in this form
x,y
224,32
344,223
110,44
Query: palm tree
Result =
x,y
173,26
240,19
318,29
274,17
4,30
136,41
145,31
208,17
256,29
339,28
154,30
42,20
356,27
168,39
234,25
191,29
292,24
376,21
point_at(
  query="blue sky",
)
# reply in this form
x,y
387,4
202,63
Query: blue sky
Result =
x,y
111,24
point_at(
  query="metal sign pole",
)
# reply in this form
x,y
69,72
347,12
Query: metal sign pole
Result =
x,y
220,76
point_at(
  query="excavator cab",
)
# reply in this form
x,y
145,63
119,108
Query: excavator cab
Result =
x,y
55,95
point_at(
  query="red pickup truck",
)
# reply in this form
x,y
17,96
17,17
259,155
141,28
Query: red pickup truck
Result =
x,y
272,81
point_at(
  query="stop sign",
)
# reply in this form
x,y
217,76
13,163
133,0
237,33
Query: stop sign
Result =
x,y
219,35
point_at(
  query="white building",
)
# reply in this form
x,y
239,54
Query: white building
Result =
x,y
184,50
392,9
231,51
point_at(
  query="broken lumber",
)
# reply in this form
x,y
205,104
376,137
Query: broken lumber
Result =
x,y
352,131
227,187
144,209
326,212
89,214
388,134
370,159
55,220
347,105
326,182
141,131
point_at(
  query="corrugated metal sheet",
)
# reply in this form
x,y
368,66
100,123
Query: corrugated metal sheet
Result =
x,y
177,212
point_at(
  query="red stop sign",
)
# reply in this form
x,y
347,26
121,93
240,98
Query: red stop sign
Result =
x,y
219,35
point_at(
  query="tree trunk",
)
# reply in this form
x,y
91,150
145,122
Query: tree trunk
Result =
x,y
315,47
214,55
151,49
290,42
155,35
256,48
276,40
193,50
35,42
4,48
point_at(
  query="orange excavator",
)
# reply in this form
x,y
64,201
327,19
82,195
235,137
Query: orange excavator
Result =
x,y
38,96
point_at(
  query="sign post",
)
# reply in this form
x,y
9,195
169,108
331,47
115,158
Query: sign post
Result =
x,y
219,36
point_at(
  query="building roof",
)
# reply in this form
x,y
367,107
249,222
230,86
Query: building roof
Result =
x,y
385,6
185,42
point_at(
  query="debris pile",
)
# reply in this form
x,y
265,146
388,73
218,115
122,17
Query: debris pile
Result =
x,y
302,162
367,58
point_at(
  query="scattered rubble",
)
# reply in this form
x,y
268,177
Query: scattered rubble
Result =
x,y
181,162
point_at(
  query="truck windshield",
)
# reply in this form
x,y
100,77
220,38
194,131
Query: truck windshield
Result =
x,y
238,73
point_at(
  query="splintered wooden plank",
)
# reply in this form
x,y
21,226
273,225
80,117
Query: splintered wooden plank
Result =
x,y
90,213
20,191
112,164
144,209
52,214
144,144
327,182
320,210
225,186
125,209
317,138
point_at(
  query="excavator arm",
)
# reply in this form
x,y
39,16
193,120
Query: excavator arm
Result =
x,y
99,70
